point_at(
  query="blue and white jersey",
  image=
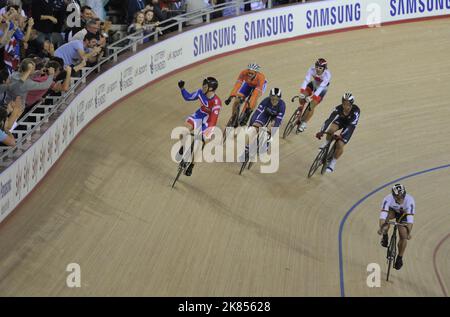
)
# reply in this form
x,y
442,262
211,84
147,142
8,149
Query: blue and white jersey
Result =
x,y
267,111
408,205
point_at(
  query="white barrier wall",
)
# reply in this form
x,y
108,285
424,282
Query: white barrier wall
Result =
x,y
189,47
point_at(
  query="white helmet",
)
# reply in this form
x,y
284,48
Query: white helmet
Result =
x,y
254,67
349,97
399,191
275,92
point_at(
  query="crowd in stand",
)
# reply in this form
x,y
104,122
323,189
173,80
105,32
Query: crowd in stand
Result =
x,y
40,51
45,43
146,15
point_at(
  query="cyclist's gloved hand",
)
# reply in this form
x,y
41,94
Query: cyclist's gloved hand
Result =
x,y
319,135
302,96
270,111
227,102
181,84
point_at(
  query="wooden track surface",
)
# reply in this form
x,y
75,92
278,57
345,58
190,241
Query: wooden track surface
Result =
x,y
108,204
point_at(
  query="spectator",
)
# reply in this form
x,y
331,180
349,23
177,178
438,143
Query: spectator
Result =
x,y
6,137
105,28
4,78
16,4
220,4
60,84
86,14
45,50
76,51
161,15
45,13
167,5
231,11
145,21
151,23
134,6
5,37
195,5
12,52
258,5
92,26
21,83
98,6
138,23
13,110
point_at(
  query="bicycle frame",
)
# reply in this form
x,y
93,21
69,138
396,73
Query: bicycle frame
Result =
x,y
183,165
323,157
292,121
259,142
392,247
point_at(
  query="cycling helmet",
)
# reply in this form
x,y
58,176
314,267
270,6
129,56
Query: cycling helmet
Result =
x,y
321,62
399,191
349,97
254,67
211,82
275,92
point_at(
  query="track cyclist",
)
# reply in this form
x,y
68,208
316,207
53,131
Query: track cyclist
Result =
x,y
344,117
205,118
250,85
400,206
313,90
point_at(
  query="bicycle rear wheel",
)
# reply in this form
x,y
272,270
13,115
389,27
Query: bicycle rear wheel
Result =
x,y
317,162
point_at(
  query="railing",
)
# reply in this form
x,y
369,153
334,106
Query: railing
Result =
x,y
25,138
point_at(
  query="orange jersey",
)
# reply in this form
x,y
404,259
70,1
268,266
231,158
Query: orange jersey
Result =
x,y
257,84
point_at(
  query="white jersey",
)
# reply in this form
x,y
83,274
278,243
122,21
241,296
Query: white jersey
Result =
x,y
408,206
320,82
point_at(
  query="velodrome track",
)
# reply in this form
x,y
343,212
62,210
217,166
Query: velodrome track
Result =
x,y
108,205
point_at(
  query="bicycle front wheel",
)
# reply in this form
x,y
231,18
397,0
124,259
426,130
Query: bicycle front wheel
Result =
x,y
244,164
290,125
327,159
318,161
391,253
180,171
231,124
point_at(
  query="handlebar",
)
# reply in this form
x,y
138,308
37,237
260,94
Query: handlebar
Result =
x,y
295,97
395,223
